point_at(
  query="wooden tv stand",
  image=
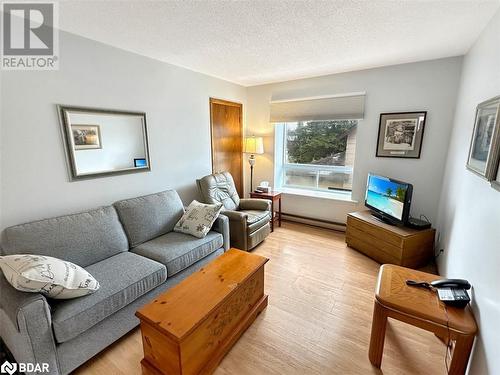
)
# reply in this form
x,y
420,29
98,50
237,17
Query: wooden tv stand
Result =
x,y
387,243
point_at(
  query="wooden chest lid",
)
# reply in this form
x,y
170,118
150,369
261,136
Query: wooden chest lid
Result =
x,y
179,310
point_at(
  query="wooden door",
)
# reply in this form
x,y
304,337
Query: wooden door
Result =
x,y
227,139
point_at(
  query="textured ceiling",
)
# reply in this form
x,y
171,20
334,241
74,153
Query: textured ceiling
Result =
x,y
262,41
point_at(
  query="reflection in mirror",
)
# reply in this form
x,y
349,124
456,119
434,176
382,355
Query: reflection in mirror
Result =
x,y
102,142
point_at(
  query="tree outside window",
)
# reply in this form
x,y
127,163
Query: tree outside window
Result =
x,y
320,154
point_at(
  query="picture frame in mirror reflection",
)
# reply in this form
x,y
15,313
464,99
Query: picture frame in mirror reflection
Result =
x,y
86,137
103,142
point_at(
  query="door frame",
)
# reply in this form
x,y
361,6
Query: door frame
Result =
x,y
213,100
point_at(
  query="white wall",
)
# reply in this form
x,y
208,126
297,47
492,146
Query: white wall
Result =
x,y
430,86
34,174
469,213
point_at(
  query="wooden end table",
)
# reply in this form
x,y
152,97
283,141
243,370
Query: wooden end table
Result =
x,y
273,196
421,308
189,328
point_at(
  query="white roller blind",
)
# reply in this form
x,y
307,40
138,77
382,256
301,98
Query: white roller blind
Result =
x,y
336,107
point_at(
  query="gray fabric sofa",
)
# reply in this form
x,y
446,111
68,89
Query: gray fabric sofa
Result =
x,y
129,248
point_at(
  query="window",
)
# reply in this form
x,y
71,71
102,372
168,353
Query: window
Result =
x,y
318,155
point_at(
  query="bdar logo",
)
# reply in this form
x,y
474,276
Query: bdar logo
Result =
x,y
8,368
24,367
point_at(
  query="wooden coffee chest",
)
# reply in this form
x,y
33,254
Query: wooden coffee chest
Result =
x,y
189,328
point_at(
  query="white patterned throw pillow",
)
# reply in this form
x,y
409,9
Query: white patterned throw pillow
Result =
x,y
198,219
52,277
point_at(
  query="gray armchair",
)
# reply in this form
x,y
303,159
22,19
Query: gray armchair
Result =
x,y
248,218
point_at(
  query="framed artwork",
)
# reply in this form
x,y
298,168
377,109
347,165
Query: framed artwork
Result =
x,y
86,137
484,148
496,175
400,134
496,182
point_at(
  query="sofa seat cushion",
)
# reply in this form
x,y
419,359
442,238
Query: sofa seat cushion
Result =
x,y
123,278
177,251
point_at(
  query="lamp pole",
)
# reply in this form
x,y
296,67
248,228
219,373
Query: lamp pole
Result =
x,y
251,161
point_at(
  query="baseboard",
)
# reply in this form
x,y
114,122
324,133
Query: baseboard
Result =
x,y
314,222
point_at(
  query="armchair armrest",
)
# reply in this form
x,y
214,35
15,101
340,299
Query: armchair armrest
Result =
x,y
221,225
255,204
237,228
235,215
27,326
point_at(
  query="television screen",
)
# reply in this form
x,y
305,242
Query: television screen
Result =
x,y
387,196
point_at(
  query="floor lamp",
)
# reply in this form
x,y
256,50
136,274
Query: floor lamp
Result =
x,y
253,146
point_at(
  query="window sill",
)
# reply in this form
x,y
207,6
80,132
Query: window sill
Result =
x,y
334,195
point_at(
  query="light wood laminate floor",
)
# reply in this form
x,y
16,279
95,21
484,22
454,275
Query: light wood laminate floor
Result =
x,y
318,320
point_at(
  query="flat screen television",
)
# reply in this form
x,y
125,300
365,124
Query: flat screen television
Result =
x,y
388,199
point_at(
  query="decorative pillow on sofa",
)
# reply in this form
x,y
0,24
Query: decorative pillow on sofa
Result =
x,y
52,277
198,219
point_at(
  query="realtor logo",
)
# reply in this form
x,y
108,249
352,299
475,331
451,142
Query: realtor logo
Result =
x,y
29,36
8,368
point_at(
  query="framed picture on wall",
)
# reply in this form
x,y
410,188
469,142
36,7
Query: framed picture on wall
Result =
x,y
400,134
496,175
484,148
496,182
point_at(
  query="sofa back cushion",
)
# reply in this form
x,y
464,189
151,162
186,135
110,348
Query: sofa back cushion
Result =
x,y
149,216
84,238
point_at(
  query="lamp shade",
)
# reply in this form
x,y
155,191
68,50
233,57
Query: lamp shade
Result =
x,y
254,145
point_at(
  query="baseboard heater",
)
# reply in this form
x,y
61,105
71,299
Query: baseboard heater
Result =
x,y
315,222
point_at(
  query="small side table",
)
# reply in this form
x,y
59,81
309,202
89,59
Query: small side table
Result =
x,y
420,308
273,196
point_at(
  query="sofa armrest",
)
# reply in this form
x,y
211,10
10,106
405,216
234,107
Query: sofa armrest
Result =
x,y
255,204
27,326
12,301
221,225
